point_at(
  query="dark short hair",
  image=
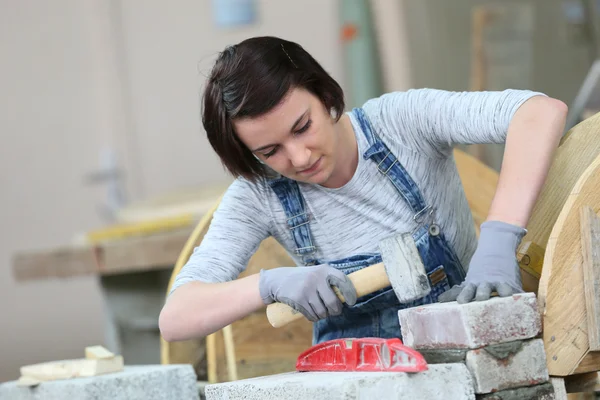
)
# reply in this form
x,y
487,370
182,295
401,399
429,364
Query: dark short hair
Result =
x,y
251,78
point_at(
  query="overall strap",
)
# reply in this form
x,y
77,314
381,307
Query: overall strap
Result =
x,y
293,204
388,164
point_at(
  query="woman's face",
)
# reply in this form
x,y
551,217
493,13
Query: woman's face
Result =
x,y
296,139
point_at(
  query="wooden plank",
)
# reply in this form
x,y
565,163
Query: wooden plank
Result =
x,y
590,248
581,396
589,363
585,382
144,253
152,252
530,257
69,369
578,148
561,291
60,262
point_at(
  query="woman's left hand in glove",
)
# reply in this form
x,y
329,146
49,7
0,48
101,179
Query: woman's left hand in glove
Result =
x,y
493,267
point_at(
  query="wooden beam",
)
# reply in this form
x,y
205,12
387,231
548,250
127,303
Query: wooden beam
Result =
x,y
561,291
589,363
585,382
159,251
590,247
530,257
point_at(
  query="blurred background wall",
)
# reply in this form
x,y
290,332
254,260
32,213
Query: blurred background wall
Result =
x,y
86,80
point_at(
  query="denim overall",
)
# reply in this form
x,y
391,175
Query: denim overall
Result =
x,y
376,314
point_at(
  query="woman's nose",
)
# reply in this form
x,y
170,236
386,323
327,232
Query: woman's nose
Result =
x,y
299,156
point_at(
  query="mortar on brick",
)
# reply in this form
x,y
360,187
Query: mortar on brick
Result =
x,y
444,356
504,350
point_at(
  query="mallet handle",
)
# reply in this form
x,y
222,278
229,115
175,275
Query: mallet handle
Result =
x,y
366,281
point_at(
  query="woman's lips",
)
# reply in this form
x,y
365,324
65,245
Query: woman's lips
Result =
x,y
312,168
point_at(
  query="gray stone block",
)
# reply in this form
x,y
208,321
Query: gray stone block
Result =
x,y
440,381
144,382
527,367
471,325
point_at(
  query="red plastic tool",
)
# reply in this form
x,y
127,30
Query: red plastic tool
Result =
x,y
361,354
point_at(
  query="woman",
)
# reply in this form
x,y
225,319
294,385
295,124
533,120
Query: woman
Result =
x,y
330,185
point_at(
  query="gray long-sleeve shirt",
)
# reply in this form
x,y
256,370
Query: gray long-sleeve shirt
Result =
x,y
420,126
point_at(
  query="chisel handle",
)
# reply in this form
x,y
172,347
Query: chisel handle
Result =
x,y
366,281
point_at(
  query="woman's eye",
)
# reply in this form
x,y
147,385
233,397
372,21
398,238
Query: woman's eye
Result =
x,y
305,127
270,153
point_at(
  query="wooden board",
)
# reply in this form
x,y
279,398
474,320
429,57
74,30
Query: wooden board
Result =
x,y
590,250
578,148
128,255
69,369
590,363
561,292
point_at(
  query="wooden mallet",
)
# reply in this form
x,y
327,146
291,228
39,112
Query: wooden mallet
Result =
x,y
402,268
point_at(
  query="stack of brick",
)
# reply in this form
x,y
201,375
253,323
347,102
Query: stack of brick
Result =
x,y
498,341
480,350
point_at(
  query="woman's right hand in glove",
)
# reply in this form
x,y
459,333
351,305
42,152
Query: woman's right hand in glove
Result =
x,y
307,289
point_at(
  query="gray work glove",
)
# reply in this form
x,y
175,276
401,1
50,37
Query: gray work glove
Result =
x,y
307,289
494,265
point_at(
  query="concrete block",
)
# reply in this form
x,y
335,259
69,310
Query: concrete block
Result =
x,y
440,381
544,391
471,325
143,382
527,367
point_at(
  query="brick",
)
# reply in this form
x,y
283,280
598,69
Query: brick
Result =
x,y
527,367
544,391
138,382
437,382
471,325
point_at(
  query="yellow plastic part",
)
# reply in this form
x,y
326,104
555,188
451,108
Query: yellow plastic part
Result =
x,y
119,231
